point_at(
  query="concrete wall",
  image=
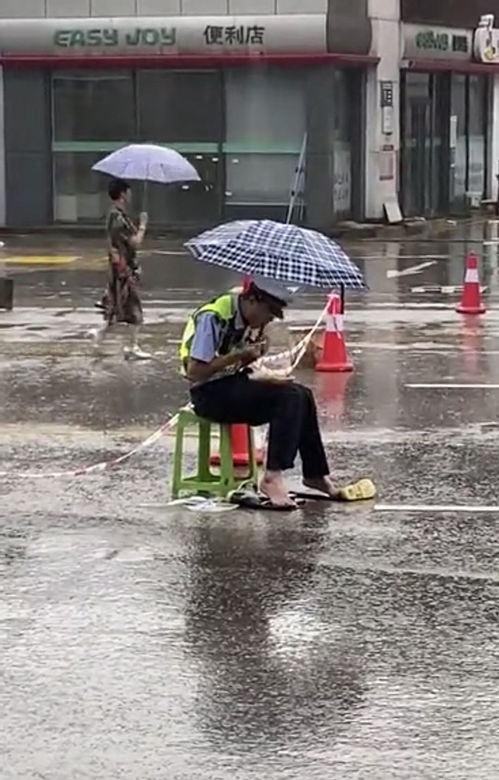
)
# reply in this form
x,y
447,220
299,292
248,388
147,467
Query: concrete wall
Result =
x,y
385,18
29,9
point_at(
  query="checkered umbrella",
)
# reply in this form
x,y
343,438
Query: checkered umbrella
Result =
x,y
278,251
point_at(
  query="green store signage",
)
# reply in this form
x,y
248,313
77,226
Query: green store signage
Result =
x,y
440,43
429,40
101,37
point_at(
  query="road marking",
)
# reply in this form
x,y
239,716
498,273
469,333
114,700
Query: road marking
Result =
x,y
478,508
167,252
446,289
413,269
401,257
411,508
40,259
448,386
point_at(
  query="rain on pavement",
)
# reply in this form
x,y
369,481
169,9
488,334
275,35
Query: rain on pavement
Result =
x,y
145,642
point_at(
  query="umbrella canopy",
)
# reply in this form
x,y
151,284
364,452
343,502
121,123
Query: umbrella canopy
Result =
x,y
147,162
277,251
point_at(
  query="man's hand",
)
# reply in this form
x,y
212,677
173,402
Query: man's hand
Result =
x,y
250,354
144,220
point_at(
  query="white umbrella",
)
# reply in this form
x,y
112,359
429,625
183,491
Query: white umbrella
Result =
x,y
147,162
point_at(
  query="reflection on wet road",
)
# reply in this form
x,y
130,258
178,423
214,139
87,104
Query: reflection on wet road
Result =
x,y
145,642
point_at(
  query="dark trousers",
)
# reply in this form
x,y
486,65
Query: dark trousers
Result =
x,y
289,408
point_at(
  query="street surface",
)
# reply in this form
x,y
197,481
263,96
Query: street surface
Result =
x,y
146,642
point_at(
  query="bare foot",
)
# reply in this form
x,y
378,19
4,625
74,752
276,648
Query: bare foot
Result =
x,y
273,486
323,485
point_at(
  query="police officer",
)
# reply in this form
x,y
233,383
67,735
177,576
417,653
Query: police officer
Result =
x,y
220,342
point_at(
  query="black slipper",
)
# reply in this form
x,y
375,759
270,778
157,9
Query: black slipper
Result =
x,y
313,496
250,500
267,504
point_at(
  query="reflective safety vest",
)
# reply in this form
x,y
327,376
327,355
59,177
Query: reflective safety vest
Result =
x,y
225,308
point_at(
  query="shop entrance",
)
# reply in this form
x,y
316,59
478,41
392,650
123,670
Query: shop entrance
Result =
x,y
424,144
443,167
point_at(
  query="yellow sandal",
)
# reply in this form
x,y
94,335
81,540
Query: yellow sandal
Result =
x,y
363,490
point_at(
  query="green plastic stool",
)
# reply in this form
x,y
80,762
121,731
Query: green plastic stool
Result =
x,y
205,482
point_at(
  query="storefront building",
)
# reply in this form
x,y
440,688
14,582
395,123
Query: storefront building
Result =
x,y
247,98
449,152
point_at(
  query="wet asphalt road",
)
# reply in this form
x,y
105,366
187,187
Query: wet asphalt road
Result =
x,y
149,642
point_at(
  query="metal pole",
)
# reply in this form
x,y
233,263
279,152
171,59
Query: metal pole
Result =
x,y
298,175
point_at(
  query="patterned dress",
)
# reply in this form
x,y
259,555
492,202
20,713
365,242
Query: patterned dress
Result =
x,y
122,303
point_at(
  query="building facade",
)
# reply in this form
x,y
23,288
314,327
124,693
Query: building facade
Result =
x,y
248,90
353,105
449,103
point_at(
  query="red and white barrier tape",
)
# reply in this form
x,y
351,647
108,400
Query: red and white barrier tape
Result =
x,y
294,356
97,468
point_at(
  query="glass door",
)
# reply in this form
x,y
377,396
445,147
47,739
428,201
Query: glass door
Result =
x,y
416,145
183,109
96,112
425,157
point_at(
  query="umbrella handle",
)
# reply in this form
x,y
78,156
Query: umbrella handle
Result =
x,y
342,294
145,195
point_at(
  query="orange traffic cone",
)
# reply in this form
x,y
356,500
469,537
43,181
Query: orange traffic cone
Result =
x,y
471,301
334,353
239,435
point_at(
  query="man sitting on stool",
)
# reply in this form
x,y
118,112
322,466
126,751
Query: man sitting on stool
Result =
x,y
218,346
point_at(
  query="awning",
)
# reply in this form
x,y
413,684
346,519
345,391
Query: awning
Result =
x,y
449,66
186,60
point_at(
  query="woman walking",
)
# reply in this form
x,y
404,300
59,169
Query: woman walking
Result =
x,y
121,302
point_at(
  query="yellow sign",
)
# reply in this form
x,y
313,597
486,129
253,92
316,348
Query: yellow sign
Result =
x,y
39,259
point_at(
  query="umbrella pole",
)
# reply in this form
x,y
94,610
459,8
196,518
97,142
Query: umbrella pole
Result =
x,y
342,293
145,195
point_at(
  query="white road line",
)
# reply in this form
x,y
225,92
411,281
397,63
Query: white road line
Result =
x,y
410,508
400,257
449,289
413,269
448,386
478,508
167,252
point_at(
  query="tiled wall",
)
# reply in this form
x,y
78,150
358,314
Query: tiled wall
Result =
x,y
26,9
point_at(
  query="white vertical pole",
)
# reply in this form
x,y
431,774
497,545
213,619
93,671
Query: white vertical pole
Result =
x,y
298,181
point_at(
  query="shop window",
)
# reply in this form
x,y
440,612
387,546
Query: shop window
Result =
x,y
468,132
265,127
477,135
458,139
444,142
93,106
179,106
93,113
96,112
344,96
